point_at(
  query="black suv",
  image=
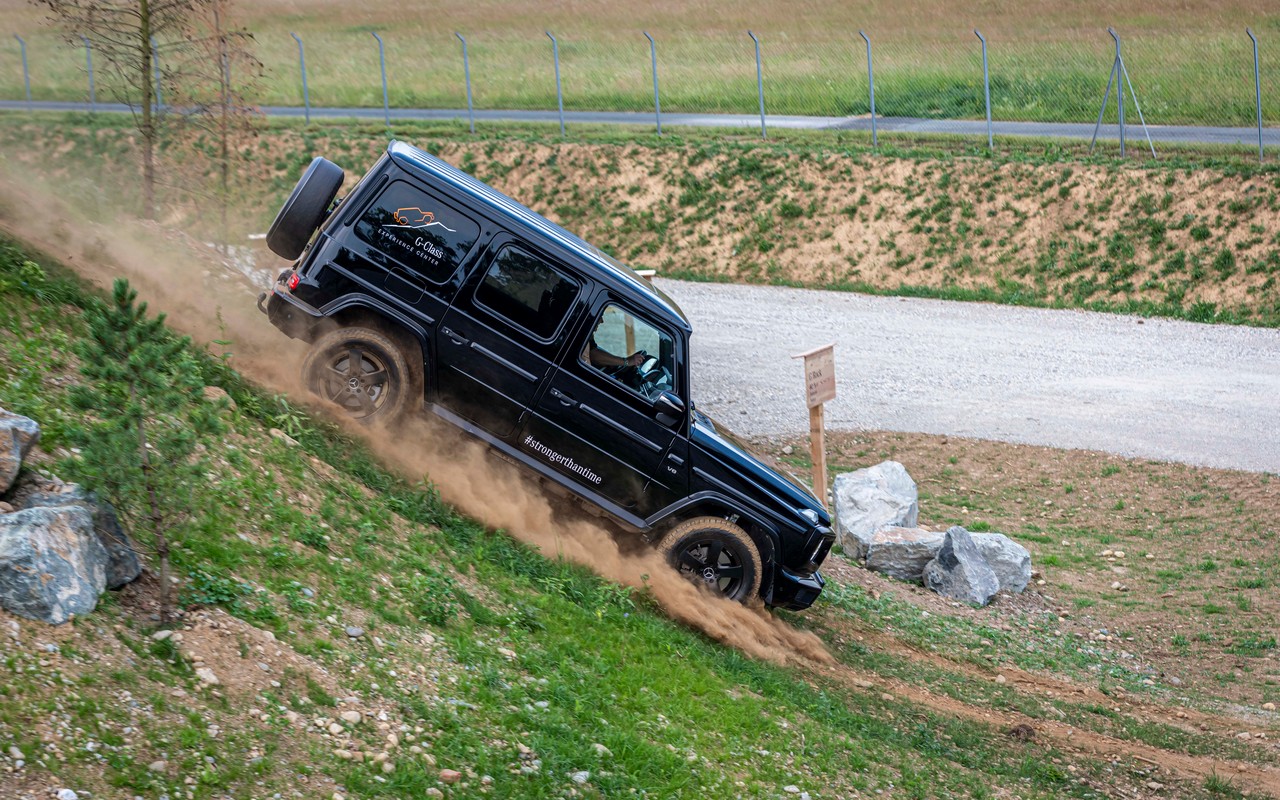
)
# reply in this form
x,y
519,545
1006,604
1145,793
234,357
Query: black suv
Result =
x,y
427,288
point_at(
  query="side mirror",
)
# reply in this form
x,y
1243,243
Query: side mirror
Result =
x,y
670,409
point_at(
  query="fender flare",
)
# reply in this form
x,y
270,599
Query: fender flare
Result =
x,y
764,535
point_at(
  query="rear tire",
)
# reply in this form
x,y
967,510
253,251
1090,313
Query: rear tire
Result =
x,y
366,373
717,553
305,209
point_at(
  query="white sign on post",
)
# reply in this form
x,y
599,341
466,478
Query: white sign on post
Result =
x,y
820,374
820,387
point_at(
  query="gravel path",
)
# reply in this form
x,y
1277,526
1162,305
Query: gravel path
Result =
x,y
1207,395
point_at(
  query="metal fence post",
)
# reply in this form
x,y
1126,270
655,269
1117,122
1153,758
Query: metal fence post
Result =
x,y
302,65
555,53
88,62
1103,110
653,58
155,63
871,89
759,84
382,61
466,71
986,88
1257,89
1119,88
26,76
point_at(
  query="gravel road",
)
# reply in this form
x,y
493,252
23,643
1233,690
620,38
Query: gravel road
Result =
x,y
1207,395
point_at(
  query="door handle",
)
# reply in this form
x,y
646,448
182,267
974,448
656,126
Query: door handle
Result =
x,y
565,400
453,337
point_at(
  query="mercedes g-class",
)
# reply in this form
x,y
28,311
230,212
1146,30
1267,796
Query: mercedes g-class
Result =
x,y
426,289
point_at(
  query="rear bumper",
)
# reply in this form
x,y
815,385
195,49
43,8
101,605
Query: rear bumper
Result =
x,y
796,592
291,315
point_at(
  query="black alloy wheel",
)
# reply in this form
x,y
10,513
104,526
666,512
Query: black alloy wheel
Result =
x,y
363,372
717,553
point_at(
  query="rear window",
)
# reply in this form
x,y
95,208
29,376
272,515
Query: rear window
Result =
x,y
418,231
527,291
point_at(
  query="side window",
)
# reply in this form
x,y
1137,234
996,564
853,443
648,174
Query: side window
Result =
x,y
527,291
414,229
632,352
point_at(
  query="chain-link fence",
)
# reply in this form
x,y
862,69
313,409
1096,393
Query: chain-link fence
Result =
x,y
1195,78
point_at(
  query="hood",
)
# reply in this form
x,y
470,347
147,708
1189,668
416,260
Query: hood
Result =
x,y
722,442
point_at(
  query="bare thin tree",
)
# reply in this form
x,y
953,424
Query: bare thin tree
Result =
x,y
122,33
221,74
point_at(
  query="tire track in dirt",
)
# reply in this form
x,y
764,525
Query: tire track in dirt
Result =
x,y
1252,777
1062,735
1047,687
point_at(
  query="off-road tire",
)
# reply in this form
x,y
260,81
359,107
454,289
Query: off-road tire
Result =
x,y
305,209
366,373
716,552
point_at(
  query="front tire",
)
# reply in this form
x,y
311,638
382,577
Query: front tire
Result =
x,y
365,372
715,552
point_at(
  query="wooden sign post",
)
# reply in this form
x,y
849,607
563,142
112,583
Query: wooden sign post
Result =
x,y
820,387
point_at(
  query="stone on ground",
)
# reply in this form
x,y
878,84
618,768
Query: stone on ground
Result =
x,y
872,499
123,565
902,553
1010,561
18,435
960,572
51,563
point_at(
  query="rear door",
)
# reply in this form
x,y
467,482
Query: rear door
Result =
x,y
597,422
499,340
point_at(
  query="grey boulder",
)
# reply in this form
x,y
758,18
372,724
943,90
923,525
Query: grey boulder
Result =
x,y
902,553
51,563
123,565
960,572
1010,561
872,499
18,435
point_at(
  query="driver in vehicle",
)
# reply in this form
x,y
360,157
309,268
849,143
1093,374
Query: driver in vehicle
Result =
x,y
642,371
600,358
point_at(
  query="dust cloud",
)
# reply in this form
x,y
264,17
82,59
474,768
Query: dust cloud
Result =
x,y
502,497
206,299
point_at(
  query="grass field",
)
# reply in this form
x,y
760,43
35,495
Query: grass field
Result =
x,y
1189,64
528,676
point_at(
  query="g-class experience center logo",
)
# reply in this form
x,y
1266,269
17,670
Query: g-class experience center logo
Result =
x,y
416,218
426,246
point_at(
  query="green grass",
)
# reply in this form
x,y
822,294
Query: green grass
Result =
x,y
524,651
1191,67
593,663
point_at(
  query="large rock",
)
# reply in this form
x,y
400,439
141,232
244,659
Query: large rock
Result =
x,y
123,565
1010,561
902,553
870,500
51,563
960,572
17,436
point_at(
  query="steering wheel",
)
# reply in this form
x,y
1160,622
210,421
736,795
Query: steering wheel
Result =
x,y
649,371
654,378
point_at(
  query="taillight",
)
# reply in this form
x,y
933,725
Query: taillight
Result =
x,y
294,279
